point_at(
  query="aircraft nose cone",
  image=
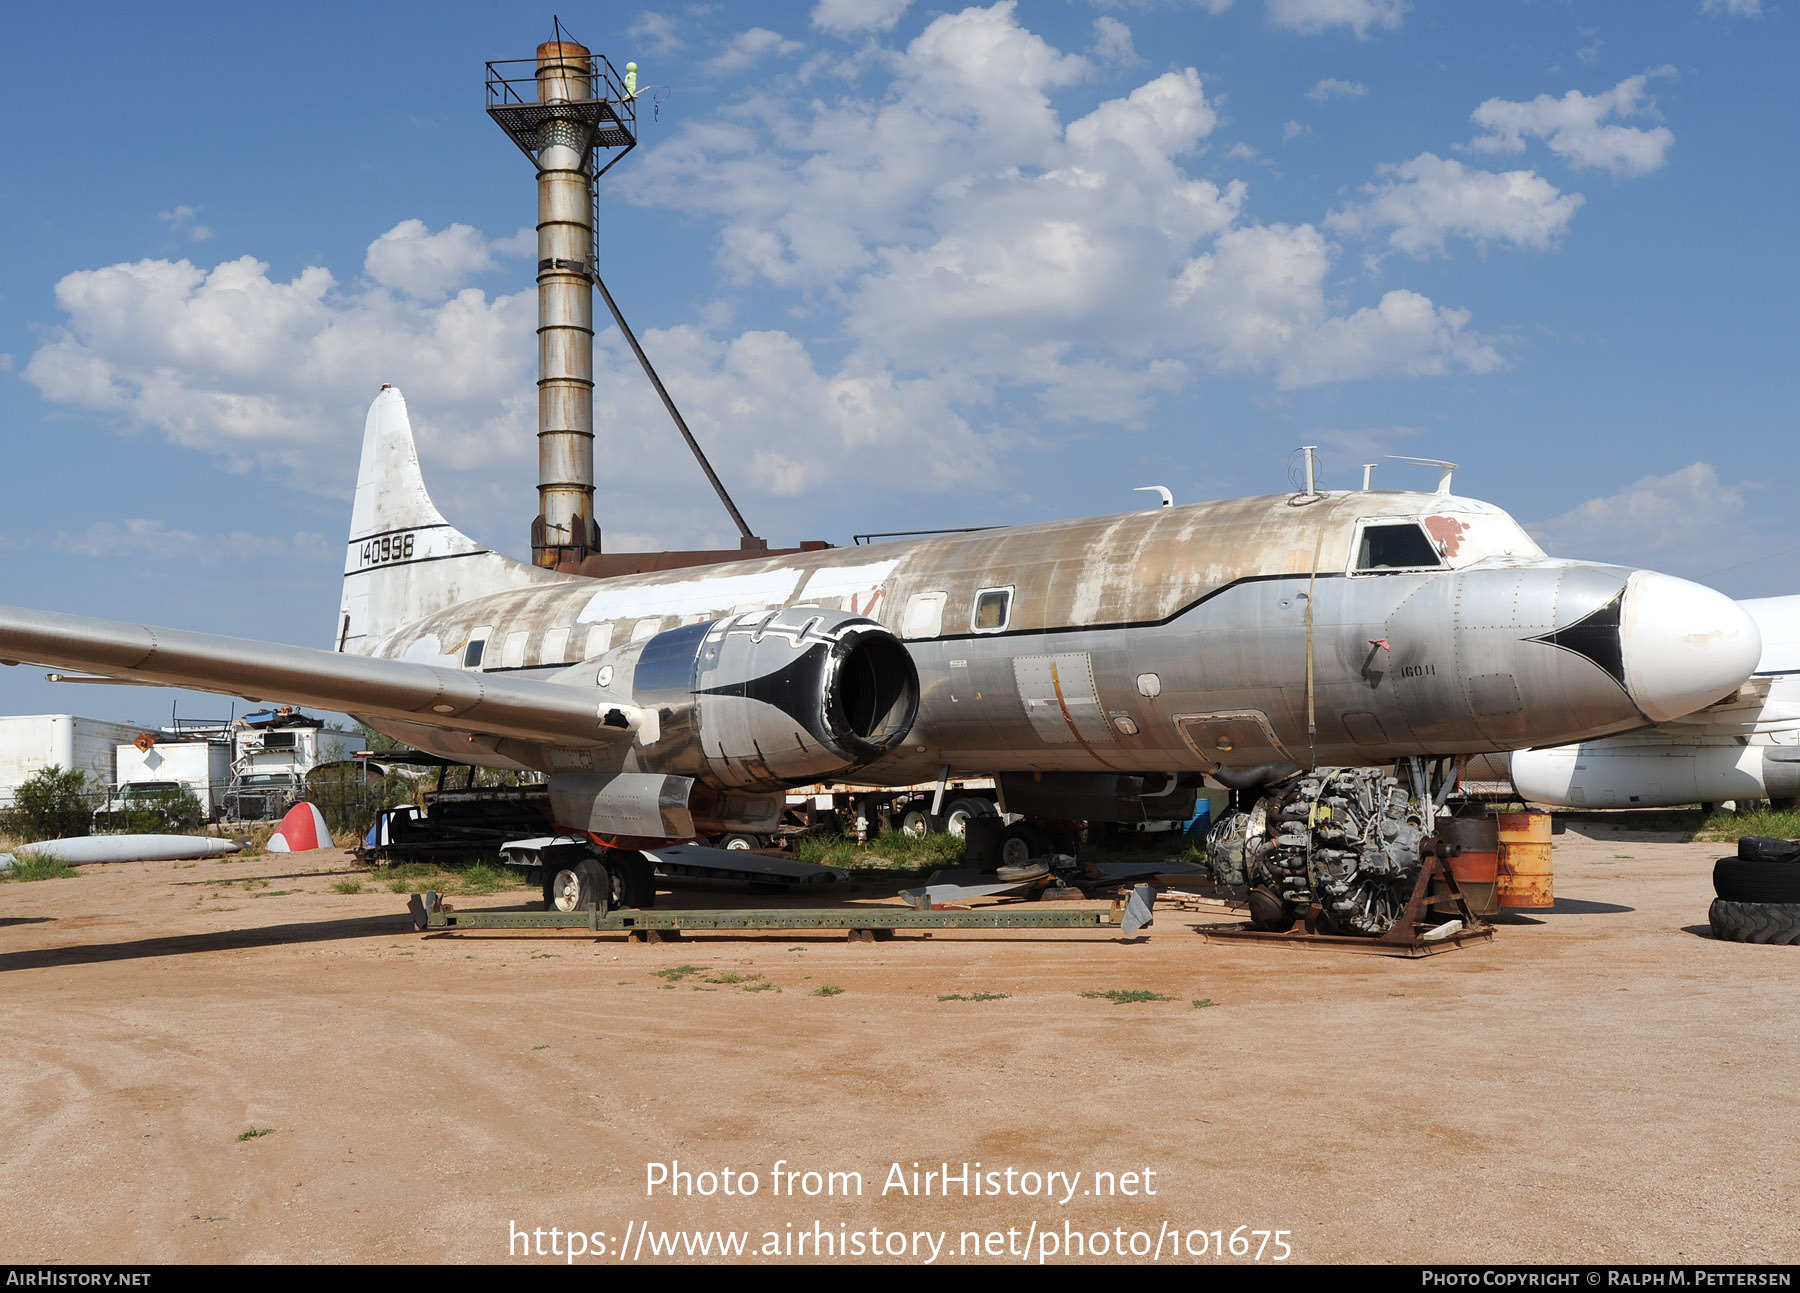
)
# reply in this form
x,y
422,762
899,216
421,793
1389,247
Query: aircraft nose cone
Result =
x,y
1683,645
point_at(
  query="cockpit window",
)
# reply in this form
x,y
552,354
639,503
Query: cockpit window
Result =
x,y
1396,547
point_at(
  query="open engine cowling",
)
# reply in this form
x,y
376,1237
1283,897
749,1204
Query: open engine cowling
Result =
x,y
729,713
770,699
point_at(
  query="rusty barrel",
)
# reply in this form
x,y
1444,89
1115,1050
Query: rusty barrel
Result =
x,y
1525,871
1477,866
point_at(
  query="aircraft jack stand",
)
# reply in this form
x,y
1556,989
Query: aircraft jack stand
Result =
x,y
1413,935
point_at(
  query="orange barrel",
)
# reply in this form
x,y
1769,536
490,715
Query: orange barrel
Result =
x,y
1477,866
1525,870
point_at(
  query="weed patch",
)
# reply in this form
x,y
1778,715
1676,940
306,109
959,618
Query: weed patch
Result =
x,y
254,1132
1127,996
676,973
975,996
37,866
732,976
827,990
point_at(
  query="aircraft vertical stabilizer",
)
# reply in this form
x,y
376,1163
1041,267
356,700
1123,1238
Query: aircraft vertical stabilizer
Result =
x,y
404,560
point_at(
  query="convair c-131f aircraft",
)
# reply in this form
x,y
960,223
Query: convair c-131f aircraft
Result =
x,y
1090,666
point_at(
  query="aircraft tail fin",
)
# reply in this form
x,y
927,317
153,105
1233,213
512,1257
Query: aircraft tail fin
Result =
x,y
404,560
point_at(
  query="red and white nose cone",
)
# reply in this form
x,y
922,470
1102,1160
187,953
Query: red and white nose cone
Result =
x,y
1683,645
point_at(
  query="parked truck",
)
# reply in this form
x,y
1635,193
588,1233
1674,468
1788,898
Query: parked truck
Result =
x,y
29,743
200,766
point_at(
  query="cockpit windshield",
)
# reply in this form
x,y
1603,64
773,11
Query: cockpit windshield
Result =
x,y
1399,546
1462,533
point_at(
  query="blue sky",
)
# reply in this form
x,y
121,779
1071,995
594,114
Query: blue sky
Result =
x,y
902,267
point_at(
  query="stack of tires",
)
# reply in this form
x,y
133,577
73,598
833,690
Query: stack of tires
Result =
x,y
1758,892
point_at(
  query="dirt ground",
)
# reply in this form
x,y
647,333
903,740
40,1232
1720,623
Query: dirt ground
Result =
x,y
1603,1083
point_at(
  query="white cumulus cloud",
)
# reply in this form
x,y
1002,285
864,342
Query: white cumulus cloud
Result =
x,y
273,373
1656,514
1112,41
1311,16
182,220
1430,198
748,48
966,230
410,258
848,17
1733,8
1332,88
1580,128
150,539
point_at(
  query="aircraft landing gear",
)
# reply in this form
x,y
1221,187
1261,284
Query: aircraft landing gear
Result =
x,y
633,879
577,885
1023,841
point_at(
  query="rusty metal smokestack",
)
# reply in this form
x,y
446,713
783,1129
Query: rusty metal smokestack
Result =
x,y
561,114
565,528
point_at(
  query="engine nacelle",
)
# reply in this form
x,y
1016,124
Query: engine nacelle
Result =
x,y
766,700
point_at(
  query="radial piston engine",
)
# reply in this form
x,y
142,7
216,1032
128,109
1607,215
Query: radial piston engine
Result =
x,y
1345,840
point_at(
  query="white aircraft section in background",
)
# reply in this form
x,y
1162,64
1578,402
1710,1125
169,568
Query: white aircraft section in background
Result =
x,y
1746,746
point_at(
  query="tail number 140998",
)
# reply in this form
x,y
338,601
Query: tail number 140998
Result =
x,y
387,548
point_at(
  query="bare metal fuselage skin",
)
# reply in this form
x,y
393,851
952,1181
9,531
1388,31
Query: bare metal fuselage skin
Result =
x,y
1239,638
1162,641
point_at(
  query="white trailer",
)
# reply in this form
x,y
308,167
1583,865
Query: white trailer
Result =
x,y
204,767
29,743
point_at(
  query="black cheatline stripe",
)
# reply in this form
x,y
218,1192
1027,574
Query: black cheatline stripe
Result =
x,y
415,561
1220,591
405,529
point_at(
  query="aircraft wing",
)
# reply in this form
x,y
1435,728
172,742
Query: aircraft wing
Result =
x,y
431,695
1749,711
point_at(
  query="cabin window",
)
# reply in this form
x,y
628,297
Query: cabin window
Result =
x,y
924,616
1396,547
477,645
512,654
556,646
993,610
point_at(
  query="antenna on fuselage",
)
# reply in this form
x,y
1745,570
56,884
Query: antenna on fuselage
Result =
x,y
1443,486
1168,499
1368,476
1310,493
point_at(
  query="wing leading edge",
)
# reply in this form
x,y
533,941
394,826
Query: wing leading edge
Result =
x,y
429,695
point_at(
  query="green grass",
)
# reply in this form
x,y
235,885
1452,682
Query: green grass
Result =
x,y
474,878
37,866
347,886
676,973
765,986
1127,996
975,996
1761,821
254,1132
486,877
894,851
1201,1003
827,990
1692,824
732,976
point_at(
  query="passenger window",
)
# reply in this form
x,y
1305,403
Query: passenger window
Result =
x,y
993,609
1395,547
477,645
